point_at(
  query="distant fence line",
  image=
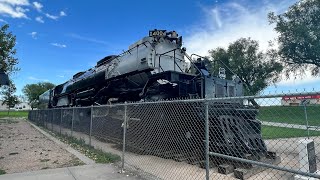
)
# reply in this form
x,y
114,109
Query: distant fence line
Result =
x,y
220,138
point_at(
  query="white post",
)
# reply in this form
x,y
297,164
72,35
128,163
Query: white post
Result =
x,y
307,158
124,137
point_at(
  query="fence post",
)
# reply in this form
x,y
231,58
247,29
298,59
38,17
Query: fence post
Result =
x,y
90,132
52,119
60,119
124,136
47,120
207,138
306,117
72,121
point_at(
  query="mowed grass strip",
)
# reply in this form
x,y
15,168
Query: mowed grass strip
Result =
x,y
272,132
290,114
12,113
2,171
98,155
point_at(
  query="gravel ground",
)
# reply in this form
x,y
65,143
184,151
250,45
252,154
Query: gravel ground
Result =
x,y
23,148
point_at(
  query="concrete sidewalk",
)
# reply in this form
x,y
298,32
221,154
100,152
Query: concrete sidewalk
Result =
x,y
287,125
86,172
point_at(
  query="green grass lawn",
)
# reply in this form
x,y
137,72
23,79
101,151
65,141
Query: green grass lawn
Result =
x,y
13,113
290,114
271,132
2,171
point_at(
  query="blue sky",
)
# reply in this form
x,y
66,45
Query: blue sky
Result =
x,y
58,38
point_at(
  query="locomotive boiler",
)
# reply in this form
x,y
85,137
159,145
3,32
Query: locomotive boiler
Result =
x,y
157,67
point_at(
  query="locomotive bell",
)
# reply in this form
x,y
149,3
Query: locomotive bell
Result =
x,y
174,34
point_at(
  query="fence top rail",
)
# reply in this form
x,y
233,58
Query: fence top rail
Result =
x,y
280,95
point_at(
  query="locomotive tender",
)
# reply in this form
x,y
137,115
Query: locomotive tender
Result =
x,y
156,68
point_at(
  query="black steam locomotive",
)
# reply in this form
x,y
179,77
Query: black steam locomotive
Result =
x,y
155,68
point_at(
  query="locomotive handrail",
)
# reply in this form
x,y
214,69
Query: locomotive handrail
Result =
x,y
128,51
196,55
190,59
228,68
174,58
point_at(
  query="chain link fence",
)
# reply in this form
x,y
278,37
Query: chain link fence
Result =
x,y
249,137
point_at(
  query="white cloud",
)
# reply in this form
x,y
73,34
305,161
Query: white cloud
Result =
x,y
1,20
19,9
59,45
14,8
228,22
16,2
51,16
38,6
37,79
55,17
39,19
217,18
89,39
62,13
33,35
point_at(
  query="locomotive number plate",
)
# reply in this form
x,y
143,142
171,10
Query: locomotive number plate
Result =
x,y
157,33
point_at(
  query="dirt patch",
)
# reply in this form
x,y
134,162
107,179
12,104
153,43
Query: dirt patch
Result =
x,y
23,148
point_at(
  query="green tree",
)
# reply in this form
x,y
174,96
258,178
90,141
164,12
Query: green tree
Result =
x,y
8,61
8,97
255,69
8,65
33,91
299,35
